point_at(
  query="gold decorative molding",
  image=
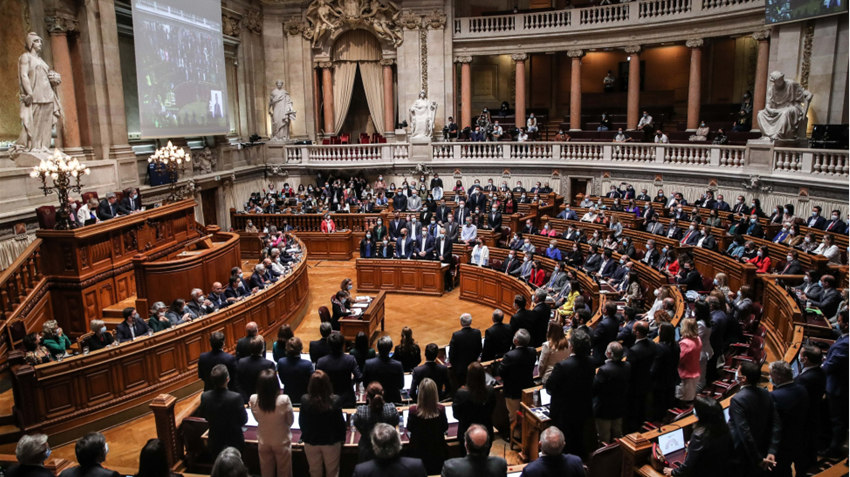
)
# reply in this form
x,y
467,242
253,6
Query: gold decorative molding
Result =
x,y
325,65
806,67
254,21
231,25
329,16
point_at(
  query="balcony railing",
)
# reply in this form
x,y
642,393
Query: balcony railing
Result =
x,y
590,18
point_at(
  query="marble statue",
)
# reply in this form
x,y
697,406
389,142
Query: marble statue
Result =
x,y
325,16
422,115
785,109
205,160
40,108
280,109
384,20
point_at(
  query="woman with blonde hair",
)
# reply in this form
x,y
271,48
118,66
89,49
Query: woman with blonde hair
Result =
x,y
661,293
690,348
615,226
556,348
54,339
427,424
721,282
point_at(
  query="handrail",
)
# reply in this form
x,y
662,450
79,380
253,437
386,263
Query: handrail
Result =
x,y
18,279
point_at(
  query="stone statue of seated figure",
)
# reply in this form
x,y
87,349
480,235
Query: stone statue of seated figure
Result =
x,y
786,106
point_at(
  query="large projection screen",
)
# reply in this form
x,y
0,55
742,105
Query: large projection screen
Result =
x,y
180,68
783,11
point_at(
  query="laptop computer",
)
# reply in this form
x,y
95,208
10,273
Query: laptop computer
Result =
x,y
672,445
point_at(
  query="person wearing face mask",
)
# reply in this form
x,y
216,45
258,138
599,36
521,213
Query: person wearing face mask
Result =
x,y
367,246
101,338
404,246
480,254
423,245
689,276
511,263
469,232
527,246
91,451
691,236
494,219
132,327
384,248
754,229
622,137
552,250
655,227
816,221
443,253
661,138
701,133
131,201
548,231
523,272
427,212
414,203
618,206
594,261
414,228
590,216
706,239
567,213
158,320
199,305
614,193
515,242
761,260
596,239
754,424
792,265
835,224
646,125
328,225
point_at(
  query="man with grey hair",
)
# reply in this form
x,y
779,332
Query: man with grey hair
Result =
x,y
242,344
258,279
31,452
199,305
109,208
497,338
543,313
517,371
464,348
387,463
386,371
610,393
478,461
791,401
91,451
553,462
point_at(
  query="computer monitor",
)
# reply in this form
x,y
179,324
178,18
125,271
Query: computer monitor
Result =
x,y
671,442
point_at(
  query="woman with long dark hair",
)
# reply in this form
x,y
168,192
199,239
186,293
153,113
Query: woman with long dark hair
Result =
x,y
322,426
665,367
279,348
407,352
710,445
375,411
153,461
361,350
474,402
704,323
273,412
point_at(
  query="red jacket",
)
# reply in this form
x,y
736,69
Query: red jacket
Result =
x,y
328,226
762,264
536,278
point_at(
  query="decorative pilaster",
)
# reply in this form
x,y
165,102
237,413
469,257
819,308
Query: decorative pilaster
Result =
x,y
634,86
575,89
389,116
520,58
760,92
166,426
694,82
328,96
59,27
465,91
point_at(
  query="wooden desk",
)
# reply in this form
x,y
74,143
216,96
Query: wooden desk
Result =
x,y
491,287
368,322
322,246
421,277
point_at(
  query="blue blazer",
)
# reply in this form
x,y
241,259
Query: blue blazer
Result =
x,y
835,367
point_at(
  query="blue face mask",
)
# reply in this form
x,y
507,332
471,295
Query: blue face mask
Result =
x,y
102,330
820,283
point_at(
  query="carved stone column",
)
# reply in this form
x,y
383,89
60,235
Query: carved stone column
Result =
x,y
520,88
328,96
634,86
575,89
759,95
389,109
59,27
694,82
465,91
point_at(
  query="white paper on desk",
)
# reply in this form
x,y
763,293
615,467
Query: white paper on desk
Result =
x,y
295,424
360,305
450,415
364,298
408,381
357,312
545,398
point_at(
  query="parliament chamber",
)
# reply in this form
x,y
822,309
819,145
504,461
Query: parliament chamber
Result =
x,y
465,238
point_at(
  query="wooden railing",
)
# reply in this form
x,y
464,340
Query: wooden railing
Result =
x,y
17,281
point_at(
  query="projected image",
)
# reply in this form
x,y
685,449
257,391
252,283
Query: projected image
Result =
x,y
780,11
180,68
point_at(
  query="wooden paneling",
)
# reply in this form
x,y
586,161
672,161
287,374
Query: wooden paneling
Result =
x,y
424,277
322,246
368,322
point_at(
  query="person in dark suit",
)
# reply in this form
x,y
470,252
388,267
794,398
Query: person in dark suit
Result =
x,y
217,296
236,290
224,411
385,370
829,298
109,208
792,402
423,246
342,370
464,347
792,265
131,201
816,221
258,279
608,265
691,236
517,371
529,228
523,318
835,225
368,249
497,338
689,276
132,327
442,252
399,201
210,359
664,371
199,305
387,462
248,369
433,370
813,379
641,355
610,393
320,347
754,424
396,224
404,246
571,387
478,461
553,462
510,264
835,368
754,229
542,313
293,371
243,344
91,451
31,452
442,212
494,219
710,444
605,332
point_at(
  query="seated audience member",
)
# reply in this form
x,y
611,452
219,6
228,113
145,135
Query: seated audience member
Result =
x,y
430,369
109,208
132,327
54,339
158,320
342,370
835,225
178,313
478,461
243,344
248,369
153,461
200,305
689,276
101,337
761,260
548,231
31,452
91,451
661,138
552,251
427,425
553,462
720,138
88,211
237,289
375,411
224,411
293,371
216,356
320,347
258,277
386,371
829,250
562,136
34,352
218,297
385,447
407,352
828,299
480,254
710,445
537,274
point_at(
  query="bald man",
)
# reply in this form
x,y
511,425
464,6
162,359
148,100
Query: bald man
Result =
x,y
478,461
553,463
242,345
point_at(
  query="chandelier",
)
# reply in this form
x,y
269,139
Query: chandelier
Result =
x,y
62,170
173,160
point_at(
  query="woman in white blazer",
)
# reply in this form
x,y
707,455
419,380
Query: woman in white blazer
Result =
x,y
480,255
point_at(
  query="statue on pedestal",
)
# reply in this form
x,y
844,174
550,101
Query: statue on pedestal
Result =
x,y
40,107
787,104
280,109
422,115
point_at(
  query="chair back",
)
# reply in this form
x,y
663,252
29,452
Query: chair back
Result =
x,y
605,461
17,331
87,195
46,216
324,314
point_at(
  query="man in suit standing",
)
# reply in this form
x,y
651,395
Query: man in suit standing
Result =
x,y
423,247
388,462
494,219
517,371
835,368
131,201
210,359
641,355
462,212
442,212
244,343
554,462
248,369
320,348
293,371
396,224
386,371
31,452
478,461
342,370
829,298
523,318
792,403
610,393
404,246
109,208
91,451
224,412
132,327
754,424
399,201
497,338
442,252
542,312
431,369
571,388
813,379
605,332
464,348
